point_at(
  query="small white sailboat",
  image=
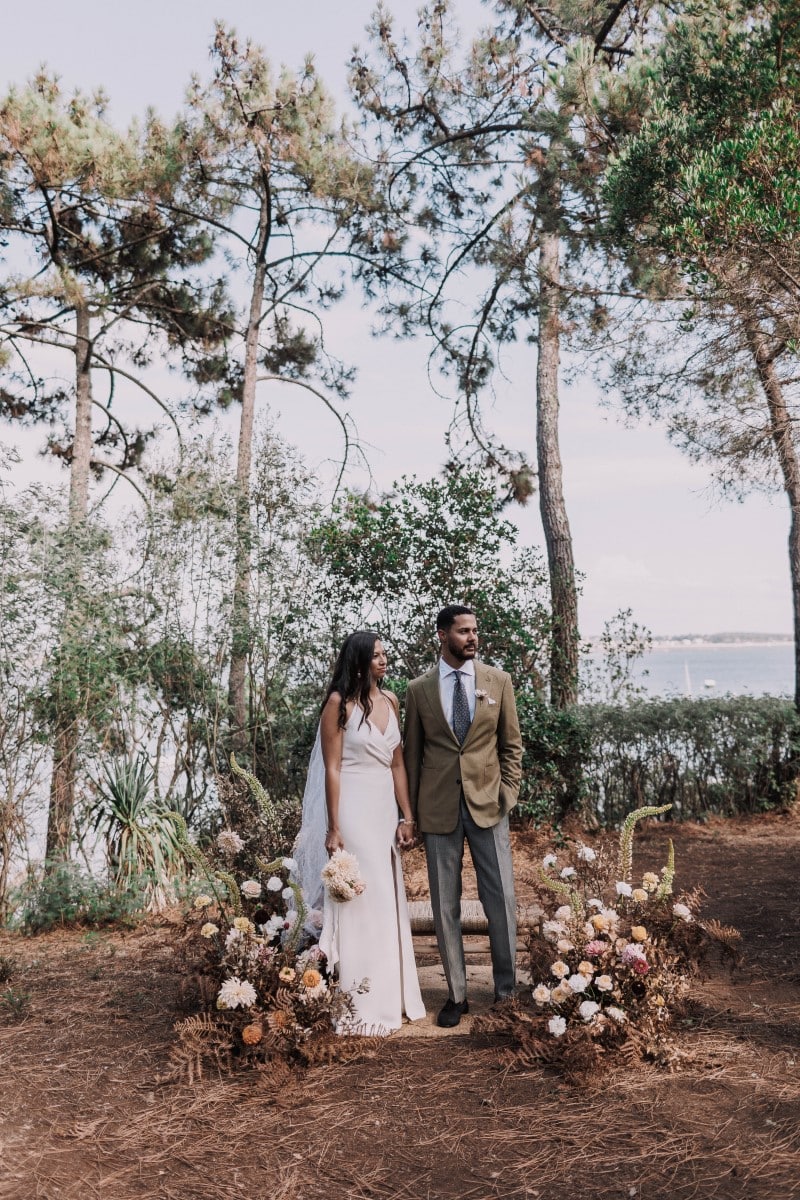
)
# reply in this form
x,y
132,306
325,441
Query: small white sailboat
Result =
x,y
709,683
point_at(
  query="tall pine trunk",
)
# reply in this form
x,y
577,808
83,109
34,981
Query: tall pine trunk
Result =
x,y
66,690
781,429
557,535
240,618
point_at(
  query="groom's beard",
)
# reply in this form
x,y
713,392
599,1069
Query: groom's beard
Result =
x,y
462,653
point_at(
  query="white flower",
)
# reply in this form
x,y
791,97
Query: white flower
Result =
x,y
274,884
594,903
290,864
604,983
313,993
202,901
564,945
290,920
541,994
559,969
232,937
251,889
481,694
315,918
237,993
549,860
578,983
682,911
274,925
229,842
623,889
287,893
552,930
616,1014
586,854
557,1026
342,877
561,992
587,1009
563,913
567,872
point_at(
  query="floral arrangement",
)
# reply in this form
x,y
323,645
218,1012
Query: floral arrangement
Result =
x,y
612,961
342,877
257,969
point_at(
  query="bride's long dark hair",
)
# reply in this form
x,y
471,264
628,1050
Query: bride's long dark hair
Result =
x,y
351,674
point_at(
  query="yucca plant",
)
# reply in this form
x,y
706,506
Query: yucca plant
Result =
x,y
141,836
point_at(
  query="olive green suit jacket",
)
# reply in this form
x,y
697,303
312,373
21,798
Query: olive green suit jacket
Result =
x,y
487,767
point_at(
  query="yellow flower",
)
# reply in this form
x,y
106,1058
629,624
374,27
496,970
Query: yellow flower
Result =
x,y
559,969
209,929
659,1001
287,974
202,901
243,925
601,923
252,1034
639,895
586,968
638,933
561,992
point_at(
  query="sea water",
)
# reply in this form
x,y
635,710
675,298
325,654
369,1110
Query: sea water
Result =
x,y
716,669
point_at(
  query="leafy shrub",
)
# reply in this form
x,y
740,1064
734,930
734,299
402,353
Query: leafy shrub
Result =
x,y
731,755
66,896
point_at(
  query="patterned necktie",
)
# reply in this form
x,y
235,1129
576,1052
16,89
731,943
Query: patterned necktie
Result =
x,y
461,717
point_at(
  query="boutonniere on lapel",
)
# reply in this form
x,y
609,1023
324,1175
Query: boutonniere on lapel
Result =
x,y
482,695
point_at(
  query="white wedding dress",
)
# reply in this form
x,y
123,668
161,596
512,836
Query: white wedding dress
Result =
x,y
369,938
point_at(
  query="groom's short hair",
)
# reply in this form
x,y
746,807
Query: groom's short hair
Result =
x,y
449,613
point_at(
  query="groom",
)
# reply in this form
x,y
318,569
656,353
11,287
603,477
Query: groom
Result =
x,y
463,754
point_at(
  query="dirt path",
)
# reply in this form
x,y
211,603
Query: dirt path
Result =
x,y
81,1115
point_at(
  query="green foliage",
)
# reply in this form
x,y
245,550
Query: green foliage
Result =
x,y
726,756
15,1003
140,836
394,562
64,896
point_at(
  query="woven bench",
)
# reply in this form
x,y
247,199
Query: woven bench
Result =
x,y
473,918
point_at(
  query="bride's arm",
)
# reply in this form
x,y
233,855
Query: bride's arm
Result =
x,y
332,738
406,830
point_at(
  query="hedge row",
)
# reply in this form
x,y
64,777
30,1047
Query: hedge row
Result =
x,y
726,756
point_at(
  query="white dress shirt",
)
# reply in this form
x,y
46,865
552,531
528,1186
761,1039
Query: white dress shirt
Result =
x,y
447,685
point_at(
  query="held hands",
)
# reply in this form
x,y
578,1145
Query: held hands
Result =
x,y
406,834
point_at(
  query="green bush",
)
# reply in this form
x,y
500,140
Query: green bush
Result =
x,y
731,755
66,896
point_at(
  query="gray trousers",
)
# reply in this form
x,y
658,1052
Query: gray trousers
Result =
x,y
491,856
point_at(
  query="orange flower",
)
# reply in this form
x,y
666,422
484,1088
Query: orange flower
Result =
x,y
311,978
252,1034
638,933
280,1021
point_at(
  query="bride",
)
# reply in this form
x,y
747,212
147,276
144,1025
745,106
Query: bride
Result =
x,y
356,784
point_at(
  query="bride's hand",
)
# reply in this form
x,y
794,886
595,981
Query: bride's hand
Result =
x,y
406,835
333,841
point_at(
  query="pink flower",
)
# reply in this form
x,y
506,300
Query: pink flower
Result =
x,y
592,949
640,967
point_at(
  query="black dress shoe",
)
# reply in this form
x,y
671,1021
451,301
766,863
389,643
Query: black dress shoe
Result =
x,y
452,1013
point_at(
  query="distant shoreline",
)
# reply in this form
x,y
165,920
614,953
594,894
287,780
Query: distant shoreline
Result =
x,y
717,643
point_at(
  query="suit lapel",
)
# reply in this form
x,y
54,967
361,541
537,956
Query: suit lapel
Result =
x,y
433,693
481,707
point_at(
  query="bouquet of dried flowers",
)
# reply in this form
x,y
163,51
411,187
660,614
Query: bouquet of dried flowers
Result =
x,y
342,877
612,960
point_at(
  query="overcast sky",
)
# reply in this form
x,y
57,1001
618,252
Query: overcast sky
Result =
x,y
648,532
